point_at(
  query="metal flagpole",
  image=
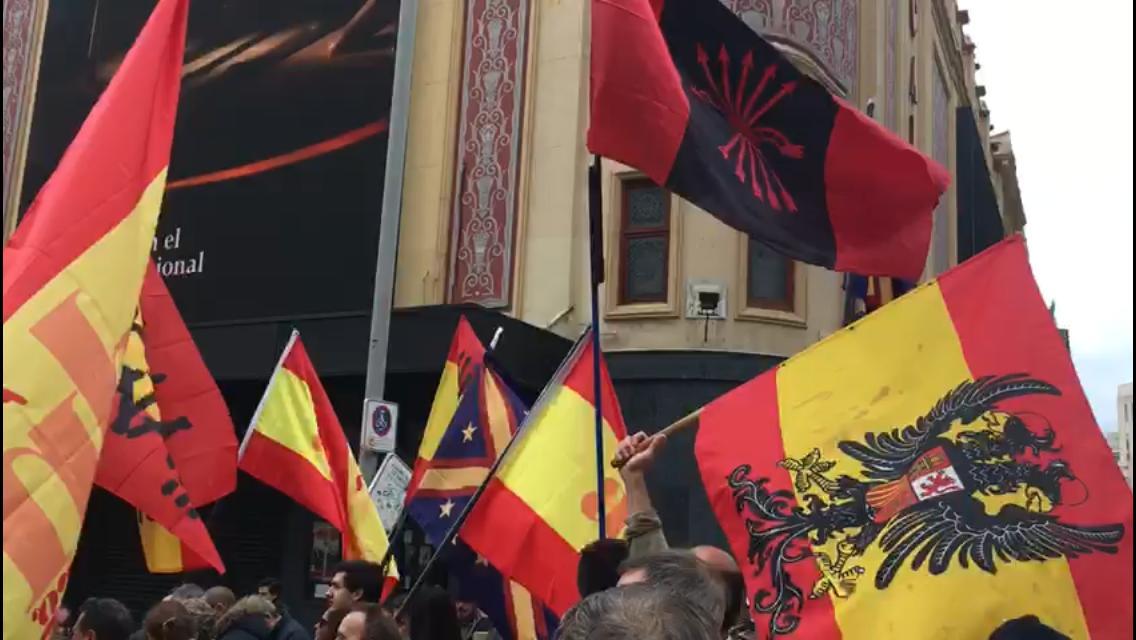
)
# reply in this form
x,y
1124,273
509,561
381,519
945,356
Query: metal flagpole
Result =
x,y
387,257
595,221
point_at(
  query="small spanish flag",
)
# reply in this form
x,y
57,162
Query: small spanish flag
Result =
x,y
931,471
72,275
541,508
296,445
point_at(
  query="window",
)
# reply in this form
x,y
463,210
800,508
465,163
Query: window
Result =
x,y
644,243
769,278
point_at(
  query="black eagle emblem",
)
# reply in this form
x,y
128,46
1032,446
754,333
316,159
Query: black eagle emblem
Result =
x,y
918,496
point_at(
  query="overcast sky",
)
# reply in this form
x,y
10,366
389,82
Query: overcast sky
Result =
x,y
1061,82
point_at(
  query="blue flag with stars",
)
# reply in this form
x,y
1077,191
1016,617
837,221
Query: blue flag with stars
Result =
x,y
485,419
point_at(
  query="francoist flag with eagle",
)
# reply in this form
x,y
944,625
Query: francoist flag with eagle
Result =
x,y
930,471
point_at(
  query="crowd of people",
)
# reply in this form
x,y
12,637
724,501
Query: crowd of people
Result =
x,y
632,588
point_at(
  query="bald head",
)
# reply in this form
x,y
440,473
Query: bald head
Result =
x,y
716,559
220,598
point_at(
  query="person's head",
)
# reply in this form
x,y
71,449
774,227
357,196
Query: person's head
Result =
x,y
366,621
269,588
433,616
186,591
328,624
169,620
598,568
633,612
204,616
355,581
466,610
1027,628
103,619
725,568
220,598
249,607
684,575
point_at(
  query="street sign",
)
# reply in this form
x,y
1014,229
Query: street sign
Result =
x,y
380,422
388,489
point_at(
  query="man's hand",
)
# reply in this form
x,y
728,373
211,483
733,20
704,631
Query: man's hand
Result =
x,y
637,453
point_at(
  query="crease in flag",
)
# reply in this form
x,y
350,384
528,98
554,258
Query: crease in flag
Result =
x,y
933,470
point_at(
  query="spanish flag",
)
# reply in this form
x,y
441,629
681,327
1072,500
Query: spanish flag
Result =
x,y
931,471
541,508
72,275
296,445
171,448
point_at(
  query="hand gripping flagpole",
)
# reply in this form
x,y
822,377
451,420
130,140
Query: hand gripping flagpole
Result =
x,y
595,222
537,409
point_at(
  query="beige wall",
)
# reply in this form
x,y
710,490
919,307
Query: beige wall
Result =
x,y
551,268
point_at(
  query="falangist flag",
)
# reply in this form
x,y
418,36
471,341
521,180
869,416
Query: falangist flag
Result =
x,y
930,471
686,92
72,275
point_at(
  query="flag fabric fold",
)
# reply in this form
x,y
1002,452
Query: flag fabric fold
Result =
x,y
171,448
73,271
541,507
296,445
686,92
453,463
933,470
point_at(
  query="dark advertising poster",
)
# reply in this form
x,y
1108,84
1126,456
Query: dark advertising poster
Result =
x,y
275,185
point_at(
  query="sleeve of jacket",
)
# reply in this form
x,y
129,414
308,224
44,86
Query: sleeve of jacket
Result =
x,y
644,534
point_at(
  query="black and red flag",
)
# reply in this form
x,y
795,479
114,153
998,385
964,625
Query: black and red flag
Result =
x,y
686,92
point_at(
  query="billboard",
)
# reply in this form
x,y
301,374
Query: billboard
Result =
x,y
275,185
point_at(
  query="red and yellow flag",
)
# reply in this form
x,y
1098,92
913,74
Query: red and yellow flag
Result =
x,y
541,507
296,445
72,275
931,471
171,448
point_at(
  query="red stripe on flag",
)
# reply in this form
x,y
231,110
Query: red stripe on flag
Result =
x,y
881,220
639,111
746,425
288,472
122,146
522,546
1032,343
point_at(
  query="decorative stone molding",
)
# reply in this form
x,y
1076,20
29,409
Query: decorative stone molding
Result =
x,y
827,30
23,24
488,159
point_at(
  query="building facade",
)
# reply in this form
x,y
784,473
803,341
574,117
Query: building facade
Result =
x,y
1122,447
494,225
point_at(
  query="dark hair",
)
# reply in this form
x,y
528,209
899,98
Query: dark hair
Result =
x,y
598,568
377,623
360,575
684,575
331,625
170,620
633,612
107,617
1026,628
272,585
433,616
186,591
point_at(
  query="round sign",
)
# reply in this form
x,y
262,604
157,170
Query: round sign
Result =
x,y
381,420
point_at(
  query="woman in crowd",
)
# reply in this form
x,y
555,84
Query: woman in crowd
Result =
x,y
169,620
251,618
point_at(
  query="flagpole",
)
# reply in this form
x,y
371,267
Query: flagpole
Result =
x,y
400,524
537,409
595,222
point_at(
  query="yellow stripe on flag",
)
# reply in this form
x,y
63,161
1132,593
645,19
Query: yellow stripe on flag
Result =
x,y
552,469
161,548
442,410
288,418
822,401
523,612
